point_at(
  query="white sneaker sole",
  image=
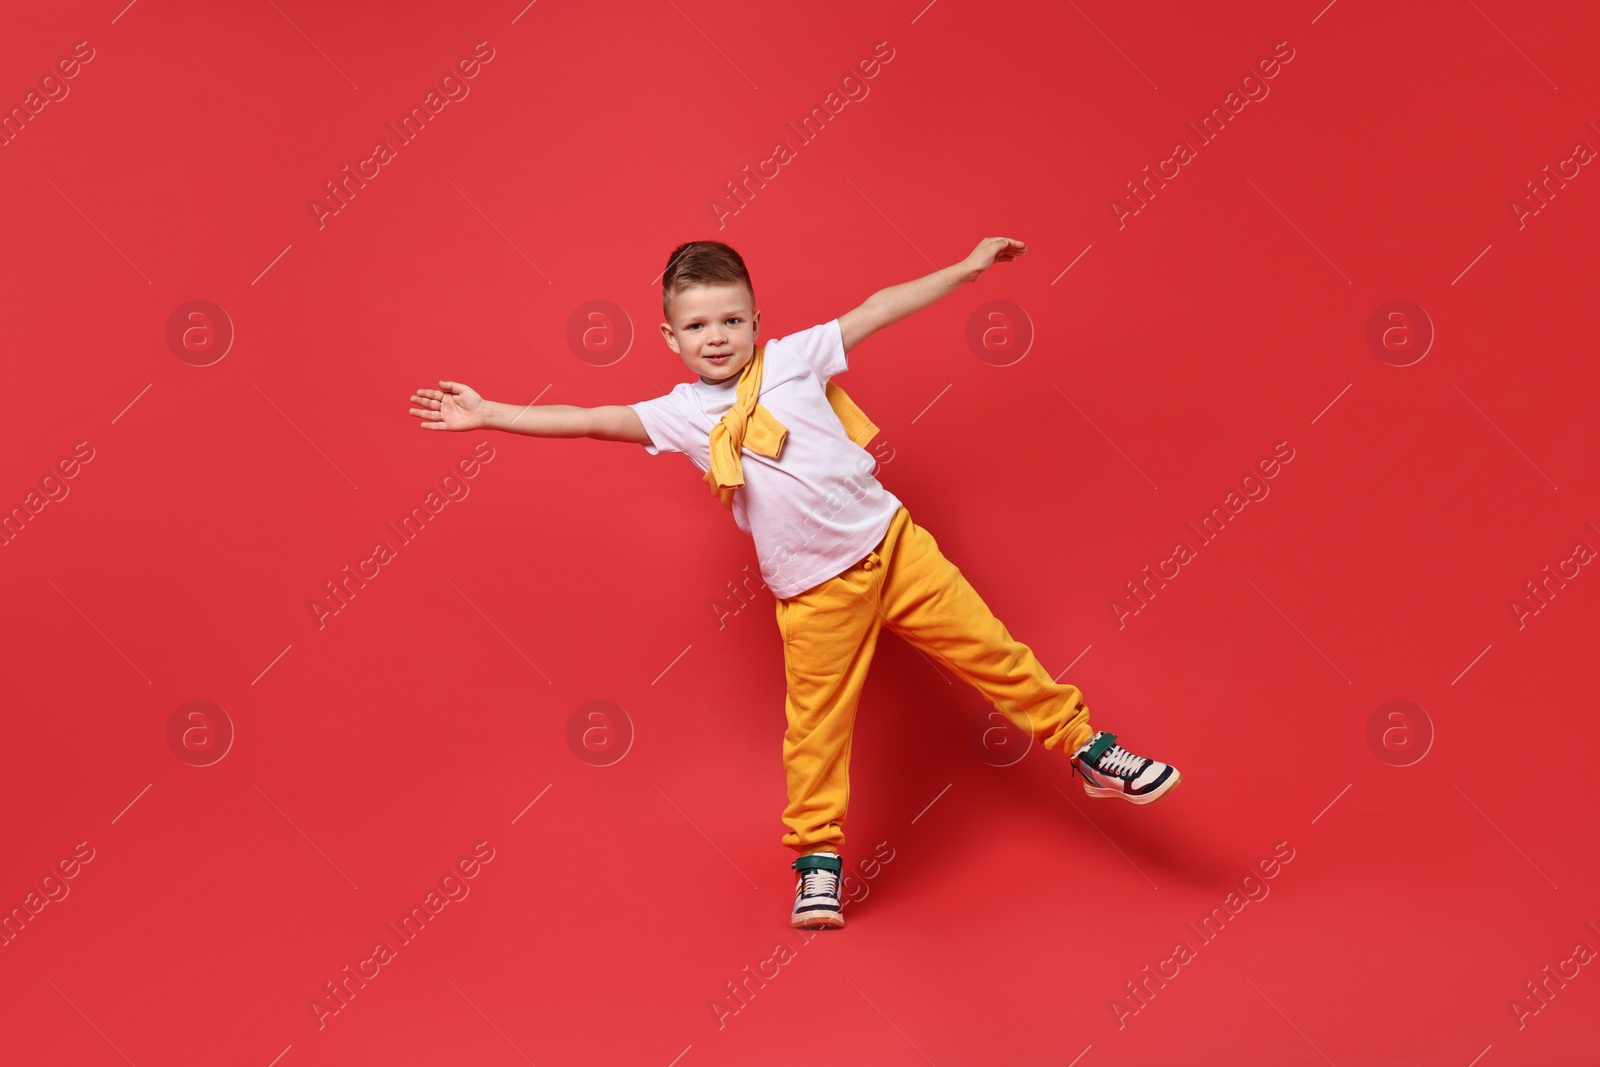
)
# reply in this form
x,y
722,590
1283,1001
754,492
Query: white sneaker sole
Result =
x,y
821,920
1148,798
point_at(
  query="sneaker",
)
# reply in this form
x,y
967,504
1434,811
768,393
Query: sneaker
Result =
x,y
1109,770
816,894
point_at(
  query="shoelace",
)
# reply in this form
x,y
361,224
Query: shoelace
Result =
x,y
1120,762
819,881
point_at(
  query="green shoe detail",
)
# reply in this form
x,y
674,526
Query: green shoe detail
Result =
x,y
827,860
1101,743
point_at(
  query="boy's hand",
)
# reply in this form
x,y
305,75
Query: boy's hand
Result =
x,y
458,407
990,250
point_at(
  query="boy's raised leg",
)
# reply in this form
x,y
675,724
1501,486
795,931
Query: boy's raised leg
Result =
x,y
929,602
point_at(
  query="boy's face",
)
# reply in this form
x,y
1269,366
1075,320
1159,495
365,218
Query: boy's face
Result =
x,y
714,330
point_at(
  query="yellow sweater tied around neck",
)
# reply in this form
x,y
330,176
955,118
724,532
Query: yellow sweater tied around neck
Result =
x,y
749,425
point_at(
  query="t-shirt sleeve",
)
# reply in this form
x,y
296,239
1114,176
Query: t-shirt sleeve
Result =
x,y
664,422
821,347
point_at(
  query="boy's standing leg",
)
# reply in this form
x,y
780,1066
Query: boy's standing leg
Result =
x,y
830,632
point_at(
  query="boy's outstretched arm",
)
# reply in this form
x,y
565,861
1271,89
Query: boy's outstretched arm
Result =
x,y
898,301
455,406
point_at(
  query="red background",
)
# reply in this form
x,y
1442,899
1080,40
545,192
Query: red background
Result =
x,y
372,753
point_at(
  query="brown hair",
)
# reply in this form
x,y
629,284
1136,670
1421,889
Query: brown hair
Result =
x,y
701,263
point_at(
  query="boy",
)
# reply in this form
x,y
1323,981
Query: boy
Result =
x,y
838,551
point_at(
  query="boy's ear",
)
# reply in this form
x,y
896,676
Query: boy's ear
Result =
x,y
672,338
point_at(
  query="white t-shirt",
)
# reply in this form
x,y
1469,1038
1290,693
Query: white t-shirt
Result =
x,y
815,510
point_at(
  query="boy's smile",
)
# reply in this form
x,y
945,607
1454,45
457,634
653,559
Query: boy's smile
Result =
x,y
714,330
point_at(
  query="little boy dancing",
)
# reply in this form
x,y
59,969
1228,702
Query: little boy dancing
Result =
x,y
781,446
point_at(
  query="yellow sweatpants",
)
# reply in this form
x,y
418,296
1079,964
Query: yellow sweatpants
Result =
x,y
829,634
